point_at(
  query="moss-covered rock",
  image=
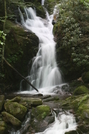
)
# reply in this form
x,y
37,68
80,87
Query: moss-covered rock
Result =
x,y
81,90
40,112
21,46
28,102
15,109
40,117
2,99
11,119
85,77
3,127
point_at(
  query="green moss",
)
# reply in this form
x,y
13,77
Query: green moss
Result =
x,y
40,112
15,109
81,90
10,118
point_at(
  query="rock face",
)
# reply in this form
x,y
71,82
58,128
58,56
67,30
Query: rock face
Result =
x,y
21,47
15,109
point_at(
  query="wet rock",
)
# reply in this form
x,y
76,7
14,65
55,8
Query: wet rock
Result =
x,y
2,99
15,109
11,119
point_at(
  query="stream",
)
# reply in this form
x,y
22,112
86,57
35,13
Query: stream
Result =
x,y
45,74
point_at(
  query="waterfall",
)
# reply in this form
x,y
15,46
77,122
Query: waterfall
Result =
x,y
44,74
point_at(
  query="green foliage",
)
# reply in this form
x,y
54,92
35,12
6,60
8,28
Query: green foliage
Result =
x,y
72,31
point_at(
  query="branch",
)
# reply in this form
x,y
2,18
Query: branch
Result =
x,y
19,73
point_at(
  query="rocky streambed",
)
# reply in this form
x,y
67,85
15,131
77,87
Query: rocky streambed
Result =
x,y
34,113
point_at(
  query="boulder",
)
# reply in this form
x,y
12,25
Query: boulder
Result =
x,y
2,99
3,127
81,90
15,109
11,119
41,117
28,102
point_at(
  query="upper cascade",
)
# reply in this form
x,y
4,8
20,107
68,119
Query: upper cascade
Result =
x,y
44,73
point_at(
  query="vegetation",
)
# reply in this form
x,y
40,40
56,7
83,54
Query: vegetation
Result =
x,y
71,32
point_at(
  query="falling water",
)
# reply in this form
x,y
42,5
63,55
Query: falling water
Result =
x,y
44,73
63,123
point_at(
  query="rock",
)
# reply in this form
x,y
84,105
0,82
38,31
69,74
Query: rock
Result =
x,y
15,109
40,117
81,90
85,77
11,119
2,99
16,99
30,101
3,127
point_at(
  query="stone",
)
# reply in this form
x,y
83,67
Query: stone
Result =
x,y
10,118
15,109
31,101
41,117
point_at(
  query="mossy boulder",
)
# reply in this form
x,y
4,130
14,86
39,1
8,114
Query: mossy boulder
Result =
x,y
40,112
15,109
11,119
85,77
3,127
41,117
81,90
28,102
2,99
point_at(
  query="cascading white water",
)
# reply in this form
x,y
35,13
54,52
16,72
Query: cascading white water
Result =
x,y
63,123
44,73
